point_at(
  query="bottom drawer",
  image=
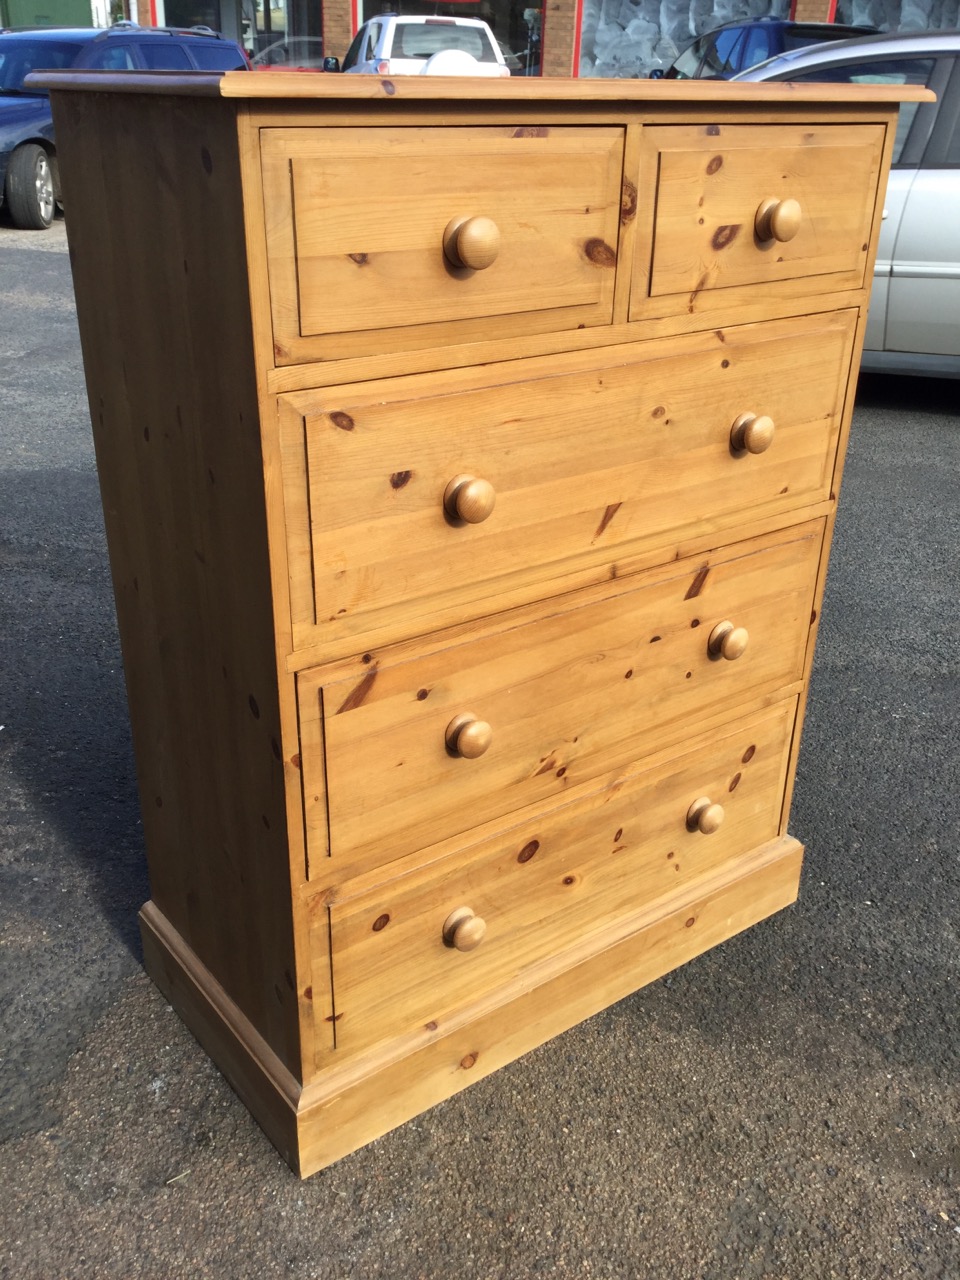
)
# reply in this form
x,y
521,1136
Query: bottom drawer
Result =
x,y
504,913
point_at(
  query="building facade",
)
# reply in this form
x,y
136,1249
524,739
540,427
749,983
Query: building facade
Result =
x,y
622,38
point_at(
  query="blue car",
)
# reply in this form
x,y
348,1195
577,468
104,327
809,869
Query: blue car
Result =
x,y
725,51
29,181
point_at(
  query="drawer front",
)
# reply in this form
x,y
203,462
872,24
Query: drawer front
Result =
x,y
552,885
754,206
360,240
580,467
419,750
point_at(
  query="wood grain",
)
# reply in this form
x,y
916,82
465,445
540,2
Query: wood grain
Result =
x,y
345,1108
371,544
711,184
541,887
417,565
584,689
341,265
165,330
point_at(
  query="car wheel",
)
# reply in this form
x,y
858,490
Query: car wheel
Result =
x,y
29,188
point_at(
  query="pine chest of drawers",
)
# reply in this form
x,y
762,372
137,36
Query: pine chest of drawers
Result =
x,y
469,456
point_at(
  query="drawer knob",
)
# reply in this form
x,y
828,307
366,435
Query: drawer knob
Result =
x,y
704,816
727,641
468,737
471,242
752,433
778,220
463,929
469,499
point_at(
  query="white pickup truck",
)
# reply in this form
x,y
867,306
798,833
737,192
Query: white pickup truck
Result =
x,y
409,44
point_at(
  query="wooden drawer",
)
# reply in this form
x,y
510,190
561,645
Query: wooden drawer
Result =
x,y
356,221
591,687
705,235
586,459
550,891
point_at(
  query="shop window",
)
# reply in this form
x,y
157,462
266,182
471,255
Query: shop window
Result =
x,y
516,26
284,32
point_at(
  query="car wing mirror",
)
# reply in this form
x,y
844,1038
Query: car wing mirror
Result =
x,y
331,64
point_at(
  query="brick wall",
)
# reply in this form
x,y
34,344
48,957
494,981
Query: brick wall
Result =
x,y
813,10
337,27
560,19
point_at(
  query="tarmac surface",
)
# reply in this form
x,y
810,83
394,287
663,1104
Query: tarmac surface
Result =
x,y
785,1107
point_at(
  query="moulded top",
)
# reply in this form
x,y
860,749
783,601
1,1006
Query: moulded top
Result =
x,y
331,87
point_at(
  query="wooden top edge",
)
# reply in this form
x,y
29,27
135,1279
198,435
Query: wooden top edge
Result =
x,y
192,83
320,87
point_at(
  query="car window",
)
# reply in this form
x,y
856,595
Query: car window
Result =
x,y
423,39
351,57
801,38
879,71
163,55
685,67
945,144
721,56
757,48
112,57
217,55
952,156
373,37
19,56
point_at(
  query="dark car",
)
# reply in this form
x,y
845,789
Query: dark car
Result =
x,y
732,48
29,185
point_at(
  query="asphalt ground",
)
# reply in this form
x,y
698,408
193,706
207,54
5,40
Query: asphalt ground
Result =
x,y
784,1107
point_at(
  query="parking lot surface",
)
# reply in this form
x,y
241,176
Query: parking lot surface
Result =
x,y
786,1106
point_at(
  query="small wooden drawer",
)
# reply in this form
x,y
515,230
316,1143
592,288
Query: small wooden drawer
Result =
x,y
420,748
784,209
565,465
397,238
549,891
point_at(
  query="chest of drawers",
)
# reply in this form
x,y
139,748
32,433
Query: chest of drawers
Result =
x,y
469,456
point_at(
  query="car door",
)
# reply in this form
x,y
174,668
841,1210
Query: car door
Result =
x,y
923,303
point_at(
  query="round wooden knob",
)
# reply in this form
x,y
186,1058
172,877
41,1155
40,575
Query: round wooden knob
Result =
x,y
471,242
468,737
463,929
778,220
704,816
752,433
727,641
469,499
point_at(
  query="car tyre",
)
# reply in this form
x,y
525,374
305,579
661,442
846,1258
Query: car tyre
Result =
x,y
30,194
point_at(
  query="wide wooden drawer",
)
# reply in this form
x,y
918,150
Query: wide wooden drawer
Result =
x,y
547,892
418,749
359,237
583,460
784,209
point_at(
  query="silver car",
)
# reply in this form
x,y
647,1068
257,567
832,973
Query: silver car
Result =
x,y
914,320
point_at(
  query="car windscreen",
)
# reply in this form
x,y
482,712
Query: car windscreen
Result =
x,y
20,56
424,39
